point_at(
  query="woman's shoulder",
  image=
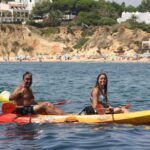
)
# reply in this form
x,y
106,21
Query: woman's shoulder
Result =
x,y
94,90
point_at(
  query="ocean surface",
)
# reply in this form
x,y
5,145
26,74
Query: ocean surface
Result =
x,y
53,82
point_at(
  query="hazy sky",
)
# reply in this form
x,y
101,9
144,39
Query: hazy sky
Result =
x,y
129,2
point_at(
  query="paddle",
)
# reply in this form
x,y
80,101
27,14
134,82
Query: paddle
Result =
x,y
4,97
9,107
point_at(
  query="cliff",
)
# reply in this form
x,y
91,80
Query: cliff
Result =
x,y
24,40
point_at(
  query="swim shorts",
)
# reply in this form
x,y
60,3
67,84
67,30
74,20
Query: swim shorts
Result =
x,y
25,110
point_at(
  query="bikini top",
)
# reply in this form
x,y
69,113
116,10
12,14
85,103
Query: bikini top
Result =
x,y
101,99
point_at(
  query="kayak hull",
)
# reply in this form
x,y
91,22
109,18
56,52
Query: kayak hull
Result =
x,y
135,118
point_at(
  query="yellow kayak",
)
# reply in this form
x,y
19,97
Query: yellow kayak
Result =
x,y
135,118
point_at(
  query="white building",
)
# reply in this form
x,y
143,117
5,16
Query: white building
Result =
x,y
30,3
146,45
17,11
13,12
140,17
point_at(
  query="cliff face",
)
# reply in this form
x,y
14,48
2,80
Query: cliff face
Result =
x,y
15,40
105,40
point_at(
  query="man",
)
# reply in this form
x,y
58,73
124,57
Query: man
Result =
x,y
26,104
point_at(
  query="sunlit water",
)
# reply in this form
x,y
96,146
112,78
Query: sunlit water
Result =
x,y
128,83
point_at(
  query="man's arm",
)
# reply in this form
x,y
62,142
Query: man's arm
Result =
x,y
16,94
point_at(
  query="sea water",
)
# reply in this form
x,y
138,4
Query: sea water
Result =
x,y
57,81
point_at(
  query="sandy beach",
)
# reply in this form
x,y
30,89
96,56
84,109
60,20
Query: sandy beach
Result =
x,y
82,59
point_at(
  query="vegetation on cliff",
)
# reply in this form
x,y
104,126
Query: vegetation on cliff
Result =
x,y
86,12
93,30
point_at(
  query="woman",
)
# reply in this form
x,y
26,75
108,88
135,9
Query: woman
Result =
x,y
99,99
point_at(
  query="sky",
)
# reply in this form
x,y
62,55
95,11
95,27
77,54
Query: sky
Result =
x,y
129,2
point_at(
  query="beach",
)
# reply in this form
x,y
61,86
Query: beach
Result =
x,y
74,59
29,46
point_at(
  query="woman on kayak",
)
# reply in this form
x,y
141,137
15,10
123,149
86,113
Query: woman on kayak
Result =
x,y
25,102
99,100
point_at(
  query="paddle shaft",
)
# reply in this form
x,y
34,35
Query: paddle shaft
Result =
x,y
10,107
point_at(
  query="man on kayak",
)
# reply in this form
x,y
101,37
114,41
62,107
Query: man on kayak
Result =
x,y
25,102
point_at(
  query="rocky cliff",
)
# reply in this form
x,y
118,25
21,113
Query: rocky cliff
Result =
x,y
25,40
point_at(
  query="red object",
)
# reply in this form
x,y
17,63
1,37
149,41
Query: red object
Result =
x,y
60,103
8,107
14,118
100,109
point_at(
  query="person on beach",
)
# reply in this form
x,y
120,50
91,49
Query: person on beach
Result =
x,y
99,100
25,102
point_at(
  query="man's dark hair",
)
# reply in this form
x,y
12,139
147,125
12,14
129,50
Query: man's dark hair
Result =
x,y
27,73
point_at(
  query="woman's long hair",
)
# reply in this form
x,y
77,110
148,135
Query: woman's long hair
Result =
x,y
105,87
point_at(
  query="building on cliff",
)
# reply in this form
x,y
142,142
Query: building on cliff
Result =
x,y
17,11
139,17
29,3
146,45
13,12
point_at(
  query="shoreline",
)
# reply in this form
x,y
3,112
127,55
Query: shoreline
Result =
x,y
143,60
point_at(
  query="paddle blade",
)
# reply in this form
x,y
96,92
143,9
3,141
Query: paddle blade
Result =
x,y
62,102
4,96
8,107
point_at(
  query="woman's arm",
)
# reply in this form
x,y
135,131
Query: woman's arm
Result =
x,y
94,95
95,102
